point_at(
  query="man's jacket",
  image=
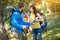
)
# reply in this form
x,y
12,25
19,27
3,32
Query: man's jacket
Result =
x,y
17,20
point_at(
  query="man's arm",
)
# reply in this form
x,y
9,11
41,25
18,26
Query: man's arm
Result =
x,y
14,21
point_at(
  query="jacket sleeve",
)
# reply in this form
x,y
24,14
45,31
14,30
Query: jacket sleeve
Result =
x,y
26,23
14,21
21,21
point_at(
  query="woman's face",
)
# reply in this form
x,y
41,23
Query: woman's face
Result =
x,y
31,9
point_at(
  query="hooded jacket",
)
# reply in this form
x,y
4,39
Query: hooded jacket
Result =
x,y
17,20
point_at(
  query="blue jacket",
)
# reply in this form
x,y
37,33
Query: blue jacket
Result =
x,y
17,20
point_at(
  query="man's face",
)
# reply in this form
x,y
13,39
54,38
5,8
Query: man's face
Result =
x,y
22,9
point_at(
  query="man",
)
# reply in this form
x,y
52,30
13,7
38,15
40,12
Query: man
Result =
x,y
17,19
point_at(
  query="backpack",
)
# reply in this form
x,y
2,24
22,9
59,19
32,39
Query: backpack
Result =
x,y
7,17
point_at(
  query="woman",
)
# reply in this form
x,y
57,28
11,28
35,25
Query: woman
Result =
x,y
36,29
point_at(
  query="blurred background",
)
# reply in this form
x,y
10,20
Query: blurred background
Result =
x,y
51,8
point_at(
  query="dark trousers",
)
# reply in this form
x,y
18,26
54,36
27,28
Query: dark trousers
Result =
x,y
21,36
37,34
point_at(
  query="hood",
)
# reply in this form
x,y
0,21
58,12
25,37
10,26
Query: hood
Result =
x,y
16,10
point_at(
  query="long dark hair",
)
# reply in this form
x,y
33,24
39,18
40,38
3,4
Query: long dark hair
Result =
x,y
36,11
34,8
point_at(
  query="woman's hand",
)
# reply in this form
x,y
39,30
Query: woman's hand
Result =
x,y
32,23
37,19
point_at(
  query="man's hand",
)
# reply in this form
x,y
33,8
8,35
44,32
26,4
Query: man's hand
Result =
x,y
30,30
37,19
25,29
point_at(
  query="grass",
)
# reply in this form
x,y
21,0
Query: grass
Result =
x,y
53,33
53,30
